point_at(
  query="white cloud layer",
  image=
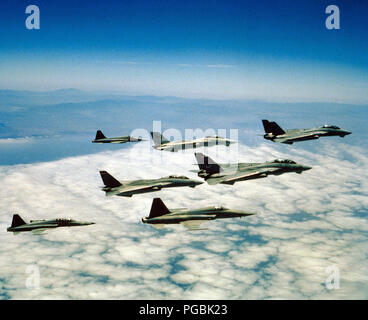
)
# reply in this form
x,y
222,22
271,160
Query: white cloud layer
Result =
x,y
15,140
304,224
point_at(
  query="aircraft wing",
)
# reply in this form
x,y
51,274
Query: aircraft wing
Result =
x,y
137,189
241,176
158,225
301,136
192,224
38,231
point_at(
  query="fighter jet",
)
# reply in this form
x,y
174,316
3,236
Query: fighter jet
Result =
x,y
276,134
100,138
129,188
39,226
163,144
160,215
215,173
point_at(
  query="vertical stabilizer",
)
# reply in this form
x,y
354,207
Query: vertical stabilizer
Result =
x,y
17,221
207,164
158,138
158,208
272,127
100,135
109,180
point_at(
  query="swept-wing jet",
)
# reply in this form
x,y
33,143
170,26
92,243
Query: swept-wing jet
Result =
x,y
163,144
191,219
215,173
276,134
129,188
39,226
100,138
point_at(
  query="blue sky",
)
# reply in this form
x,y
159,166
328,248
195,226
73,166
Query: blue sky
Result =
x,y
225,49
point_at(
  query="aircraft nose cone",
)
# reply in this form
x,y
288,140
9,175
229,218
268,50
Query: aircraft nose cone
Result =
x,y
305,168
347,132
243,214
196,183
134,139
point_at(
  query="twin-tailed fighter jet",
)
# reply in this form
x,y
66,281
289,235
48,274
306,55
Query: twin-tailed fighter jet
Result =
x,y
100,138
39,226
163,144
215,173
160,215
129,188
276,134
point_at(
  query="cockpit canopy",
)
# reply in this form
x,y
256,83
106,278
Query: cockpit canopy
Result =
x,y
217,137
64,220
284,161
220,208
177,177
330,126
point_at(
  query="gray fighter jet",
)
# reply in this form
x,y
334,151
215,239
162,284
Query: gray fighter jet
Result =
x,y
276,134
100,138
163,144
39,226
215,173
160,215
129,188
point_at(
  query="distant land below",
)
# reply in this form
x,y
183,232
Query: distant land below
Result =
x,y
56,124
71,112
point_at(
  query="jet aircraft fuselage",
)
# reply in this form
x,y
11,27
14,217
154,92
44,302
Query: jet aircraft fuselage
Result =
x,y
274,133
161,215
215,173
161,143
19,225
131,187
100,138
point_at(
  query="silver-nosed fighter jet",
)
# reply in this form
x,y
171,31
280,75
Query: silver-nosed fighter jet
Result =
x,y
129,188
100,138
163,144
160,215
276,134
215,173
39,226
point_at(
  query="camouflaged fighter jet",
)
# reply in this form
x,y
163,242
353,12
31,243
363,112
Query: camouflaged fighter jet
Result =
x,y
39,226
161,143
129,188
215,173
100,138
160,215
276,134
